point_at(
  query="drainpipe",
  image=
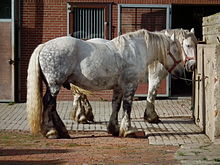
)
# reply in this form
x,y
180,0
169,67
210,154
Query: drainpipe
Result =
x,y
193,102
203,93
18,56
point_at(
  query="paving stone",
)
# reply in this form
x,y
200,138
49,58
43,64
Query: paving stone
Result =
x,y
176,128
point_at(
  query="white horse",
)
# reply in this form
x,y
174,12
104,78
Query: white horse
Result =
x,y
118,64
157,72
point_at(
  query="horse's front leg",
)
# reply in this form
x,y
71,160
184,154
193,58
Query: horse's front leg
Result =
x,y
125,127
150,115
156,74
113,126
52,126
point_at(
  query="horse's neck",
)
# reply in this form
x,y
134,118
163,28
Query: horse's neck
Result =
x,y
156,52
111,45
180,35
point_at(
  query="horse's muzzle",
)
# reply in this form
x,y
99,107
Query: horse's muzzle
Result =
x,y
190,65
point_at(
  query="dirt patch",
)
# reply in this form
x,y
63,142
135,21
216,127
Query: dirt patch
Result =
x,y
83,148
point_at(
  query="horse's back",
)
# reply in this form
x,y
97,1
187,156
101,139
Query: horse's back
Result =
x,y
98,40
57,59
61,42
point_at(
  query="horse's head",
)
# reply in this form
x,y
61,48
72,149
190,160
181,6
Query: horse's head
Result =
x,y
188,43
189,47
174,62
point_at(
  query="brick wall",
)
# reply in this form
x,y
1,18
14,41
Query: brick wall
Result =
x,y
42,20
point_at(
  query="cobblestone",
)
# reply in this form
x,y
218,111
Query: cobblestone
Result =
x,y
176,128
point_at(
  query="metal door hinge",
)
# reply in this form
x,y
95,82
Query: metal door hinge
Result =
x,y
11,62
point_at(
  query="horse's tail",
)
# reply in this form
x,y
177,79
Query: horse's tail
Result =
x,y
34,94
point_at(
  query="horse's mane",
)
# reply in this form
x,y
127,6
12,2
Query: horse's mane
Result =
x,y
192,35
159,43
181,34
156,42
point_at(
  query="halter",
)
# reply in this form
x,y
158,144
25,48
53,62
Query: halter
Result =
x,y
186,57
175,62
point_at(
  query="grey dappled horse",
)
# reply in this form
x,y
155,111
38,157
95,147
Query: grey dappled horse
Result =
x,y
118,64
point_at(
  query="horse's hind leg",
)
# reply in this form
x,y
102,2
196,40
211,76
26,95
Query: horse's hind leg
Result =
x,y
113,126
126,129
52,126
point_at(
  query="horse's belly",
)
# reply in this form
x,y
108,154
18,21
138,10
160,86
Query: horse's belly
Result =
x,y
97,74
92,81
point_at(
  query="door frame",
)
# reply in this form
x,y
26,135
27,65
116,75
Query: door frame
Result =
x,y
168,26
12,21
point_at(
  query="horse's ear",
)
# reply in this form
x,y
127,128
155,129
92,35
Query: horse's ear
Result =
x,y
167,34
172,37
192,30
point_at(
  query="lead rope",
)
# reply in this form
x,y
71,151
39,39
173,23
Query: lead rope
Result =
x,y
182,78
198,119
187,82
186,79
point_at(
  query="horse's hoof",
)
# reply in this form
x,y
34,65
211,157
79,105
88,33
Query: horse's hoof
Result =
x,y
90,122
114,133
113,130
151,117
90,117
52,134
154,120
82,120
130,133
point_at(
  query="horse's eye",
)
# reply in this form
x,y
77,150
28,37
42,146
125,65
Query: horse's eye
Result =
x,y
187,46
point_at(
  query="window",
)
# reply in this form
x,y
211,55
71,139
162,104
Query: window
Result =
x,y
5,9
151,17
88,21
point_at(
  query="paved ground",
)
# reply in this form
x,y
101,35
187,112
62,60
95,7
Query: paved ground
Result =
x,y
177,128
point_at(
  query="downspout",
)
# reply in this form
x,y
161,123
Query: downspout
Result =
x,y
11,61
203,93
18,53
